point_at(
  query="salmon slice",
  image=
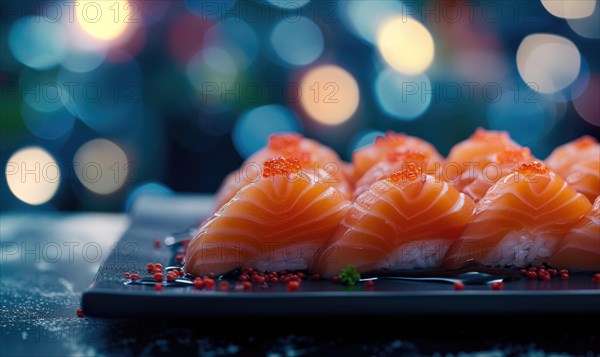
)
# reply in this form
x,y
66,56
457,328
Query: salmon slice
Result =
x,y
406,221
276,222
364,158
321,160
501,164
396,160
520,220
580,249
467,158
578,162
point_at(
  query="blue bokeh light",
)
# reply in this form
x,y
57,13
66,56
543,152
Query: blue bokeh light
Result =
x,y
253,128
401,96
237,38
363,138
147,188
45,42
47,125
298,43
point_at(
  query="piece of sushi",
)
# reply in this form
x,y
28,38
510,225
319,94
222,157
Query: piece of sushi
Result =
x,y
580,249
366,157
520,220
396,160
578,162
467,158
501,164
406,221
276,222
313,156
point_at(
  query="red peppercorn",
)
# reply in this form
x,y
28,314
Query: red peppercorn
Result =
x,y
157,243
249,271
158,287
127,276
564,276
209,283
596,278
198,283
497,285
247,285
335,278
287,279
180,257
532,269
293,286
546,277
370,283
317,277
171,277
80,313
532,275
458,286
260,280
223,286
158,277
553,272
150,267
294,277
135,276
563,271
243,277
158,267
274,280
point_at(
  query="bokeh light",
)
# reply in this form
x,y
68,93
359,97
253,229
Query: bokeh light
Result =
x,y
525,120
101,166
33,175
406,45
254,127
588,26
299,42
548,63
84,61
329,94
288,4
146,188
587,104
40,90
236,37
570,9
47,125
104,20
364,18
362,139
401,96
37,42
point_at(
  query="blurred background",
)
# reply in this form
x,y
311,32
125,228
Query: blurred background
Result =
x,y
105,100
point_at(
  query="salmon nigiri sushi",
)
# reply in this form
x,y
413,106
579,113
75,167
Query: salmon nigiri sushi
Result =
x,y
520,220
276,222
364,158
468,157
403,222
313,156
580,249
578,162
396,160
501,164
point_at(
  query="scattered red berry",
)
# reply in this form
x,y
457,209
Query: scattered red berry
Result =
x,y
335,278
247,285
596,278
80,313
127,276
458,286
158,277
274,280
157,244
158,267
135,277
150,267
563,271
564,276
553,272
223,286
293,286
243,277
198,283
545,277
532,275
370,283
158,287
316,277
260,280
209,283
497,285
171,277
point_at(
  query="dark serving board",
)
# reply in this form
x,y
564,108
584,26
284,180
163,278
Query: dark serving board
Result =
x,y
155,217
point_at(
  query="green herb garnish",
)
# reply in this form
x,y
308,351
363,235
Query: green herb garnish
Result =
x,y
349,275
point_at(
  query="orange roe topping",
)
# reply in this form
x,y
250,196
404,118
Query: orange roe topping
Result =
x,y
281,166
406,156
488,135
284,141
411,173
512,155
584,142
533,167
391,139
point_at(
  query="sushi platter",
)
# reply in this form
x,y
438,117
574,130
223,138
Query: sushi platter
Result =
x,y
399,231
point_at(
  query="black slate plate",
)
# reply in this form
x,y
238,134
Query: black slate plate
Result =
x,y
155,217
